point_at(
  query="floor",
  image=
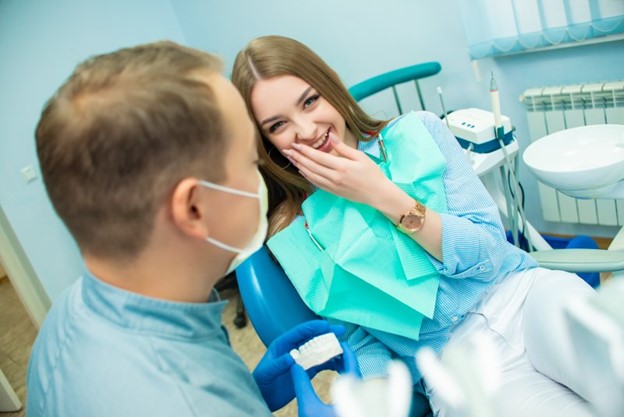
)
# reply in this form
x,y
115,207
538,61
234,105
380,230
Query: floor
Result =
x,y
17,334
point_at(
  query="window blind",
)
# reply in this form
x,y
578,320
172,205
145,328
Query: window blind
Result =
x,y
499,27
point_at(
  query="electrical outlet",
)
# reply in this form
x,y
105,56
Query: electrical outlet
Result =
x,y
29,173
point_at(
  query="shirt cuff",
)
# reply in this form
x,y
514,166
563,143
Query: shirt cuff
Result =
x,y
469,250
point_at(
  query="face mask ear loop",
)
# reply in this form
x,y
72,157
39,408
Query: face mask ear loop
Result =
x,y
230,190
223,245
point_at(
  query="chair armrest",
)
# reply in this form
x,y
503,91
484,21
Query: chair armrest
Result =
x,y
581,260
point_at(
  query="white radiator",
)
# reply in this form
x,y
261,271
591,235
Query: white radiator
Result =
x,y
557,108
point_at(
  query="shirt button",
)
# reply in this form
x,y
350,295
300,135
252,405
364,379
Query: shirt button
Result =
x,y
481,268
454,319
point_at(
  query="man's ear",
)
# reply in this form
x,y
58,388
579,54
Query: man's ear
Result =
x,y
187,212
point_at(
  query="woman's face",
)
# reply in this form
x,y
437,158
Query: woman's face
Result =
x,y
289,110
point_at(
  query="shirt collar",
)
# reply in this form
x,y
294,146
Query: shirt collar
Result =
x,y
370,147
151,315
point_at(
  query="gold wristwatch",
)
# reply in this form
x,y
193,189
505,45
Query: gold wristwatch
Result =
x,y
414,219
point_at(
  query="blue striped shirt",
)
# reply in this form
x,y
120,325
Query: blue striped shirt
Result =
x,y
475,256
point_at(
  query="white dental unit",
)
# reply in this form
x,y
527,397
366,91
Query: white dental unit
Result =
x,y
583,162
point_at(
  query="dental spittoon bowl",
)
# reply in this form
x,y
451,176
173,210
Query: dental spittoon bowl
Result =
x,y
584,162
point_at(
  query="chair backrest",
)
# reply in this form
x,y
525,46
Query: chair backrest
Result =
x,y
391,79
271,300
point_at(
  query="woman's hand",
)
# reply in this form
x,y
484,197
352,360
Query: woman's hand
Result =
x,y
354,176
351,174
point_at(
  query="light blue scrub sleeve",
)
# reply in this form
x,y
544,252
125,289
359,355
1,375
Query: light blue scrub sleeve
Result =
x,y
473,239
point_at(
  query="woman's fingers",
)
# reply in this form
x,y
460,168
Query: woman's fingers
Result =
x,y
327,159
309,162
316,179
345,150
348,174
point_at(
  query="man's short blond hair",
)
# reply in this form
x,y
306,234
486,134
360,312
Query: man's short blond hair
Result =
x,y
120,134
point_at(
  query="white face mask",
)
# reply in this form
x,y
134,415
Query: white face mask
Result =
x,y
257,240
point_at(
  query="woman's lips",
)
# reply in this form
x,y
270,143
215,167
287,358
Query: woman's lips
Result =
x,y
327,145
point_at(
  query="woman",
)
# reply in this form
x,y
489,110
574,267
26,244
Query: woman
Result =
x,y
357,201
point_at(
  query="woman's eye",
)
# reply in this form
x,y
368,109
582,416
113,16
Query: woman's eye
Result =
x,y
311,100
275,126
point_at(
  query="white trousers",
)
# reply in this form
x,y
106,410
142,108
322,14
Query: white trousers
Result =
x,y
523,317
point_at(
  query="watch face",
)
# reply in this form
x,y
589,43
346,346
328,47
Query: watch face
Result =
x,y
412,222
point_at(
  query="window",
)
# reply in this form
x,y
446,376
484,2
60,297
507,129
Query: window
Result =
x,y
499,27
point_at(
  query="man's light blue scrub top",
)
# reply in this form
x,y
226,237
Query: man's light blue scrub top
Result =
x,y
105,352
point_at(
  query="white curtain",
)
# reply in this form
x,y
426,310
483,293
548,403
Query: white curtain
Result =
x,y
498,27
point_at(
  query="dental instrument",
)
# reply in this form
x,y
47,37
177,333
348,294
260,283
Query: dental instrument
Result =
x,y
439,90
495,100
499,130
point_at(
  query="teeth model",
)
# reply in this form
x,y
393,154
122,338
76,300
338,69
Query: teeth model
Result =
x,y
317,351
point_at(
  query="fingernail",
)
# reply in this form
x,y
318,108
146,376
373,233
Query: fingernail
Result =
x,y
296,146
287,152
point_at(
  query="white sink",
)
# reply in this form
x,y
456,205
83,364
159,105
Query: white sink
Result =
x,y
584,162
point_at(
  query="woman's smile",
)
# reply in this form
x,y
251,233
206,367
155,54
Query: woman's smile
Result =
x,y
324,144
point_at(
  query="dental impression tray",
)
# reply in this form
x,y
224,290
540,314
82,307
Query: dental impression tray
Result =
x,y
317,351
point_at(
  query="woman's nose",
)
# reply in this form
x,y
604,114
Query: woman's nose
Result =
x,y
306,130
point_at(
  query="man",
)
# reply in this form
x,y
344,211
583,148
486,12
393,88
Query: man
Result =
x,y
149,157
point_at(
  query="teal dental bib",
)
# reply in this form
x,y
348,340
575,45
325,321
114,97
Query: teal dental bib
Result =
x,y
350,262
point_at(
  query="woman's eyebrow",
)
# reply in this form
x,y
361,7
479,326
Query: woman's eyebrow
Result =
x,y
303,96
270,119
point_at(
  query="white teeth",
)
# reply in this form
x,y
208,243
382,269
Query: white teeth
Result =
x,y
321,141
